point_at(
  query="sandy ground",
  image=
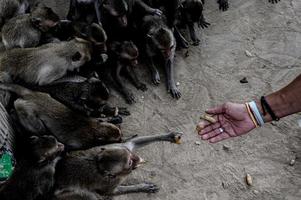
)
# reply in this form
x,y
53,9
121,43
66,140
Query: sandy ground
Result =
x,y
210,76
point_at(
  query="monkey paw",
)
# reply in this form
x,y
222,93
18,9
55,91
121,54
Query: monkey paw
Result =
x,y
149,188
196,42
156,79
175,93
274,1
203,24
130,99
116,120
223,5
157,12
123,111
142,87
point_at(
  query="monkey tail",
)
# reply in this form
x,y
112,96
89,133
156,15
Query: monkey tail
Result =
x,y
17,89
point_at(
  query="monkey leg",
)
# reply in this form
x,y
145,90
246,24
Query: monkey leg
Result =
x,y
171,85
142,187
154,71
138,142
182,42
194,38
134,79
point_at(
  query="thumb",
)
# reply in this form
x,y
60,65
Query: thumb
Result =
x,y
217,110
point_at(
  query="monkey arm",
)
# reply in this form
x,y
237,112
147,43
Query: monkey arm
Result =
x,y
133,77
172,88
138,142
192,33
142,187
146,9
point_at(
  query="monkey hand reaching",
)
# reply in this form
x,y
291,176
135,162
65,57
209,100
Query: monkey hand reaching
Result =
x,y
224,5
175,92
274,1
157,12
203,24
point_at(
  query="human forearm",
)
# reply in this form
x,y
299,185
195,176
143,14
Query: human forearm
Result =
x,y
284,102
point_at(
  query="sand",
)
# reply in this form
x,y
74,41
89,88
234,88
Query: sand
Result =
x,y
210,76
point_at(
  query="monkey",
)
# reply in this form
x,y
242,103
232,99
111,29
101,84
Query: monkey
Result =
x,y
45,64
11,8
104,167
33,176
40,114
119,15
191,12
27,30
160,42
85,95
123,58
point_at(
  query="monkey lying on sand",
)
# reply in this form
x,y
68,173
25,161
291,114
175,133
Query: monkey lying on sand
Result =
x,y
11,8
40,114
27,30
45,64
103,168
160,43
34,176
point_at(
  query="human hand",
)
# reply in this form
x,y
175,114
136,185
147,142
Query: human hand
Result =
x,y
232,120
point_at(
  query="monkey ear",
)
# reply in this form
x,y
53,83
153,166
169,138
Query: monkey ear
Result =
x,y
33,139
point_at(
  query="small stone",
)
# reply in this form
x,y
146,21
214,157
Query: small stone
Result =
x,y
197,143
142,97
248,53
226,148
292,162
256,192
178,84
244,80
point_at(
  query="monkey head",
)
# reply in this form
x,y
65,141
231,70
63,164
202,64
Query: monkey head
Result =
x,y
162,39
126,52
45,148
118,10
81,54
105,133
193,10
97,36
44,17
117,162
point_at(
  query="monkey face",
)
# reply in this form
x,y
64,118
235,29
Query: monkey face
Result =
x,y
127,52
81,54
118,10
44,18
45,148
118,162
107,133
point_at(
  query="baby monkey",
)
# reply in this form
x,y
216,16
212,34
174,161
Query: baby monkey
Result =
x,y
34,175
123,58
28,30
105,167
40,114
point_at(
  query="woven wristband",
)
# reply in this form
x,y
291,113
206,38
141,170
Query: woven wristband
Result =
x,y
256,113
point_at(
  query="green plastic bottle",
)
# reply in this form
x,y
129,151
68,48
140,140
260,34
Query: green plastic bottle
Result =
x,y
6,165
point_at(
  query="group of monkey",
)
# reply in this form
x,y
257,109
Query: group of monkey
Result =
x,y
54,75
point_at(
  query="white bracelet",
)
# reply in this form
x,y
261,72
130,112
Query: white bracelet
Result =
x,y
256,113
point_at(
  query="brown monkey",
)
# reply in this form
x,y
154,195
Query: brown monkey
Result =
x,y
34,175
160,42
191,12
11,8
123,58
45,64
103,168
85,95
27,30
40,114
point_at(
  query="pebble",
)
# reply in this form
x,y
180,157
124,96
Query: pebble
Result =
x,y
256,192
248,53
177,84
197,143
292,162
226,148
244,80
142,97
